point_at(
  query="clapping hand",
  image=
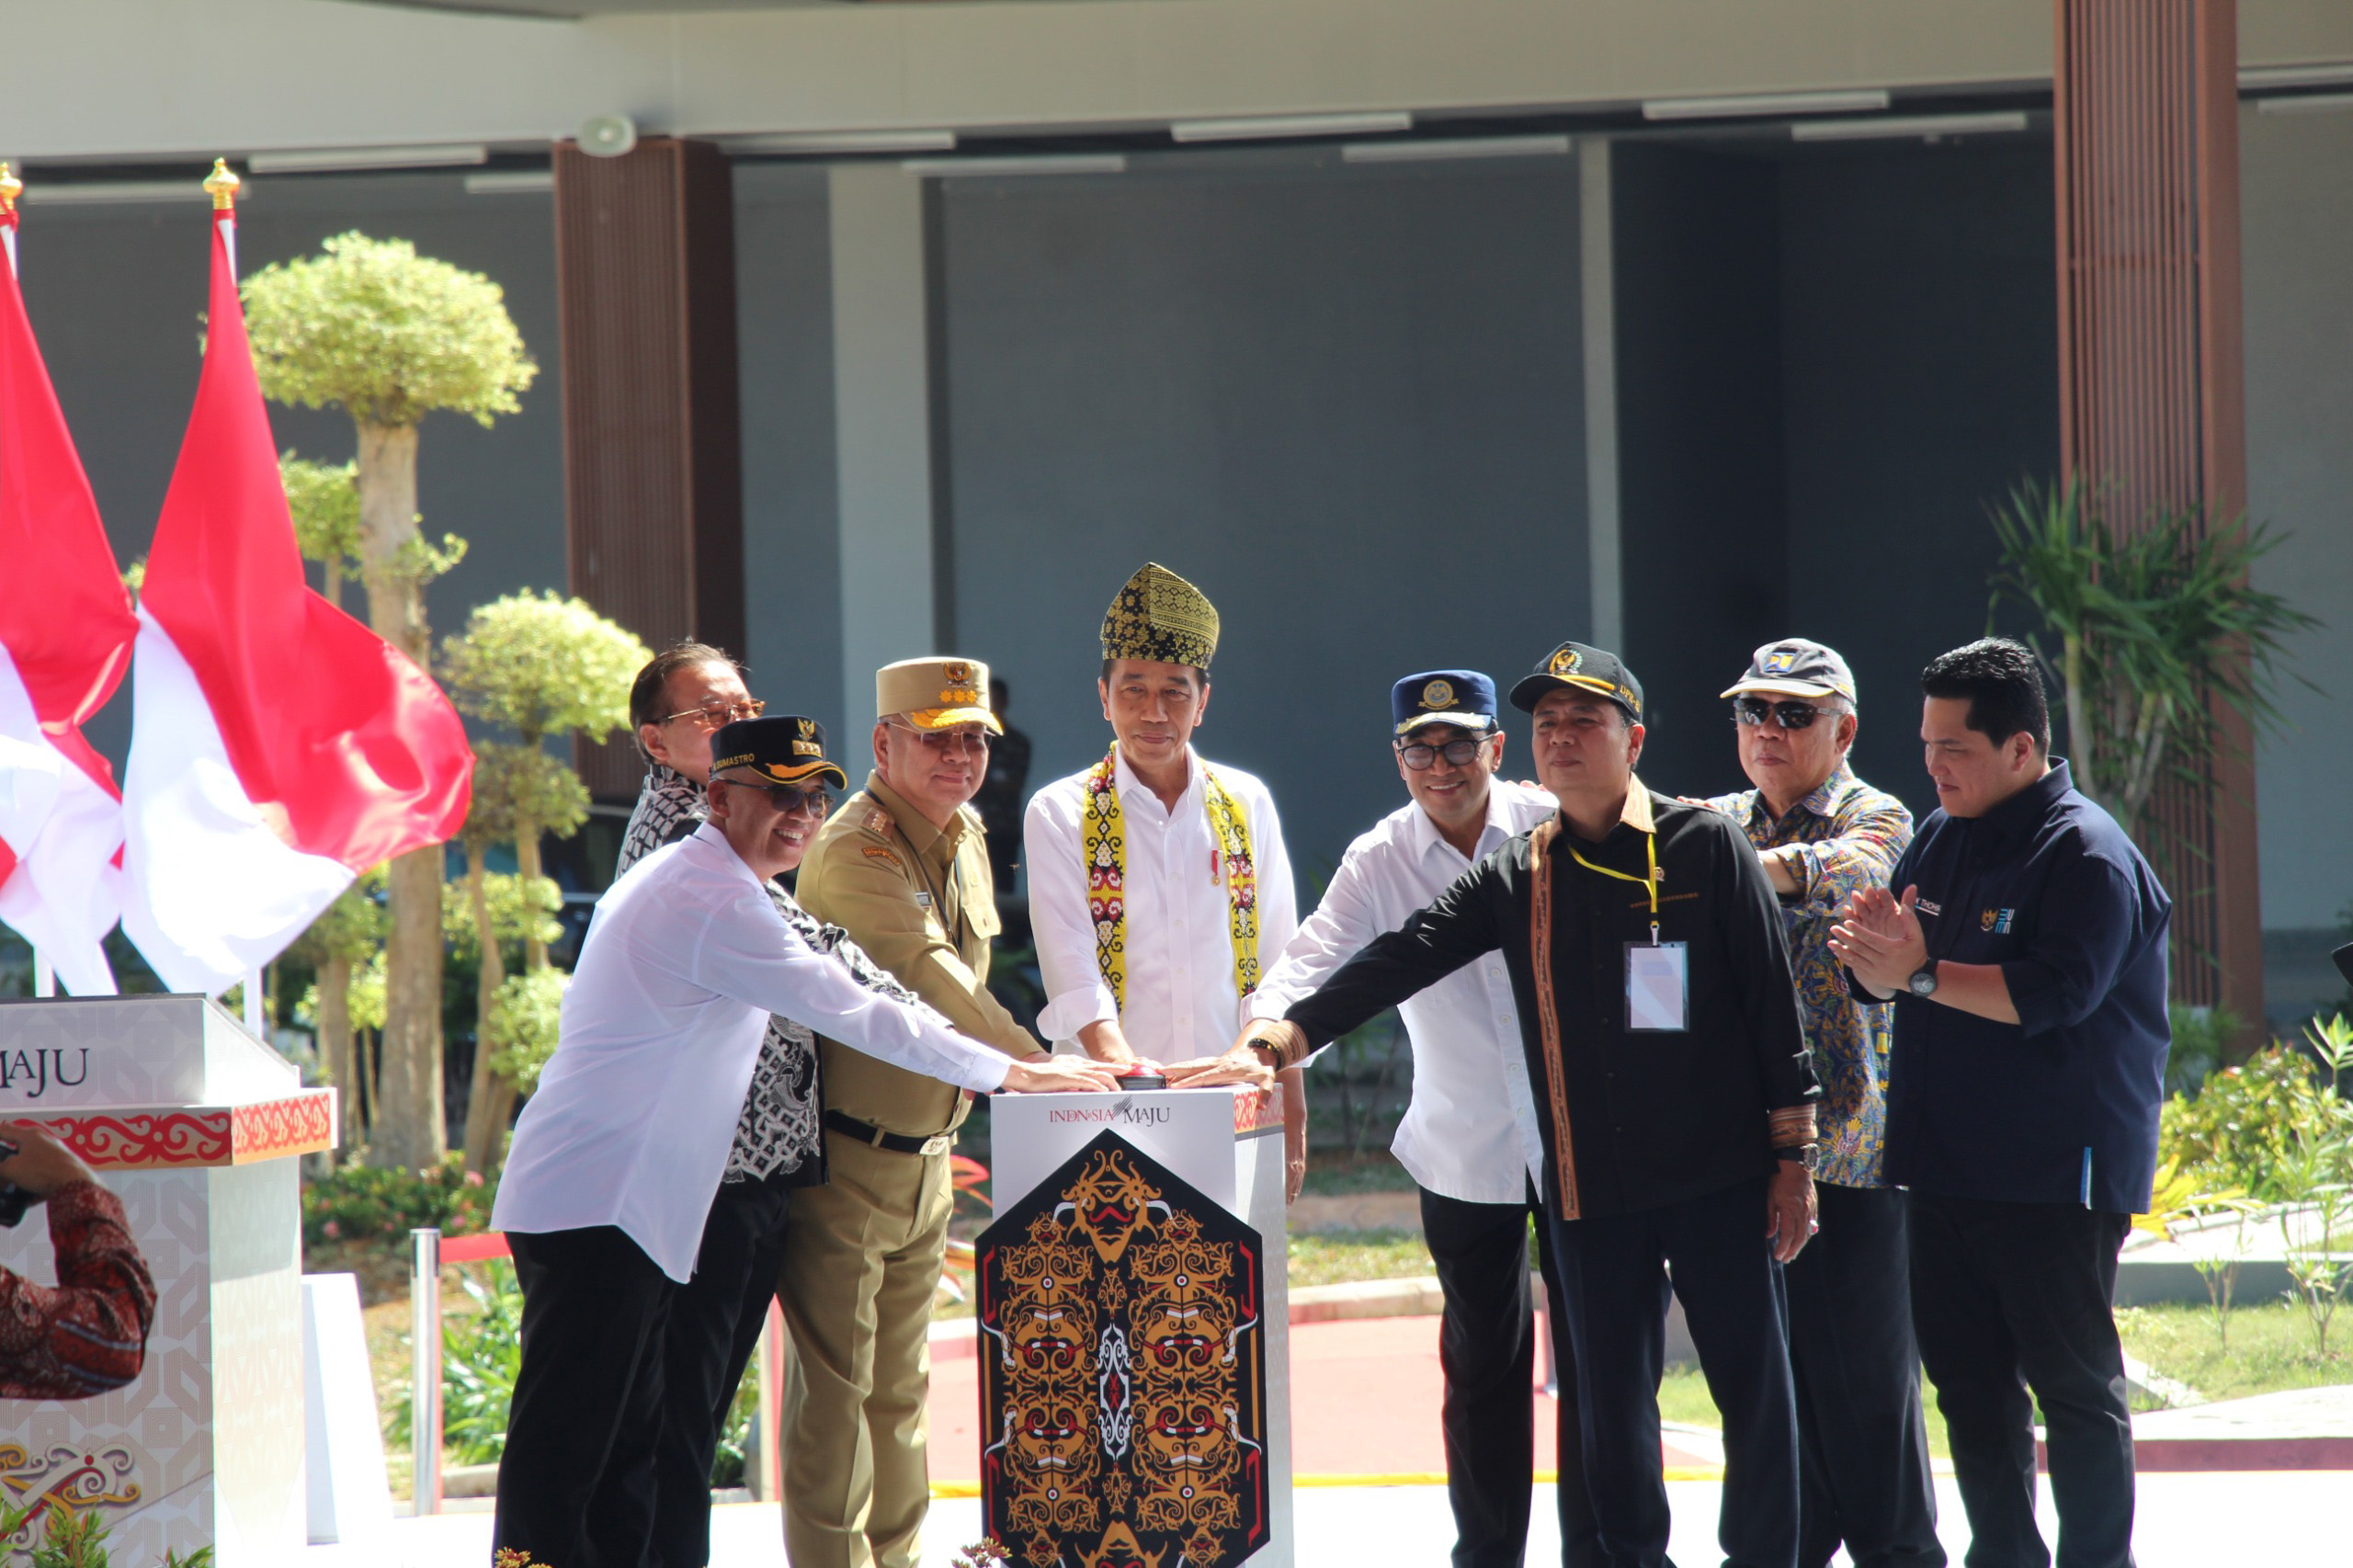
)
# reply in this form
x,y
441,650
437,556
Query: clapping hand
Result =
x,y
1880,940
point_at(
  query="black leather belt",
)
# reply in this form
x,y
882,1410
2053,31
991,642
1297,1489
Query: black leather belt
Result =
x,y
897,1143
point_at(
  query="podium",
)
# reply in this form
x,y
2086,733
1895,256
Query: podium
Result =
x,y
1165,1345
194,1124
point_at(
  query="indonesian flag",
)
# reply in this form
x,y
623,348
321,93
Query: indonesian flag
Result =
x,y
279,747
65,630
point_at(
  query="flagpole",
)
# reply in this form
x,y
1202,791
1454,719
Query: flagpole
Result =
x,y
252,1005
44,976
11,187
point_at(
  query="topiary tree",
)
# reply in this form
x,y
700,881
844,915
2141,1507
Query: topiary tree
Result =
x,y
542,666
389,336
493,914
324,499
343,941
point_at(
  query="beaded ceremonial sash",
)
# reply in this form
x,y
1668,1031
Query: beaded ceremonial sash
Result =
x,y
1103,841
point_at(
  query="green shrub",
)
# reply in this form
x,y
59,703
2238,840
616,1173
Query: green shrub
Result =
x,y
359,1203
2245,1122
481,1352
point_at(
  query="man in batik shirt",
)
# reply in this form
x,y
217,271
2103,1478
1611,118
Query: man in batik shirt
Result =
x,y
1822,834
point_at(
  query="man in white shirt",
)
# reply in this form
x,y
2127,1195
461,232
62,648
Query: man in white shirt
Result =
x,y
1470,1138
619,1154
1158,879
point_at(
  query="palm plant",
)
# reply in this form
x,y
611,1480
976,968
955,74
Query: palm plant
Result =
x,y
2155,627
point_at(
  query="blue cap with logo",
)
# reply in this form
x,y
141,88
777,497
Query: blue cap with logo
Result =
x,y
1464,697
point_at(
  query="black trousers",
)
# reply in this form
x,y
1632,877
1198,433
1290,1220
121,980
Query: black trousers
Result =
x,y
1863,1450
2008,1297
714,1323
575,1485
1614,1284
1486,1348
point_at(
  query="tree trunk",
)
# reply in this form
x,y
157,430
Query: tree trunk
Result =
x,y
331,570
410,1131
482,1133
527,864
387,523
503,1095
335,1053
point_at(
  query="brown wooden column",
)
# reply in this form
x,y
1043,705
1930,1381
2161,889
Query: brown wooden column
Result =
x,y
2150,377
653,489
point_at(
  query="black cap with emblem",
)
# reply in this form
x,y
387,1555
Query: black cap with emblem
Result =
x,y
783,748
1580,669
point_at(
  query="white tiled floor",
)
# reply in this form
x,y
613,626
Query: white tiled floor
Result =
x,y
2277,1520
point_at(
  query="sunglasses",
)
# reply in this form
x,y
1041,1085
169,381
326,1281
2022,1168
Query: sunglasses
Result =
x,y
1421,758
790,798
1753,711
715,713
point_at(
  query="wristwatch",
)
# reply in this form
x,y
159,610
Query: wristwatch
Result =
x,y
1924,979
1806,1154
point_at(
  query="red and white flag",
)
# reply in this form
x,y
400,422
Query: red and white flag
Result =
x,y
65,630
277,747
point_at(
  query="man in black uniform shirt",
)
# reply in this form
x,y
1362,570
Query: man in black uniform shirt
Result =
x,y
2026,956
1646,957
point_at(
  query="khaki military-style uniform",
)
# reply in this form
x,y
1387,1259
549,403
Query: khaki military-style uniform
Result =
x,y
862,1255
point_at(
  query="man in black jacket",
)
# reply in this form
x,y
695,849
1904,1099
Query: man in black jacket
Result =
x,y
1646,956
2026,956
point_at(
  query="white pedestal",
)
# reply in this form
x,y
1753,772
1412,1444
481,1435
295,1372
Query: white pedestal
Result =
x,y
193,1124
1221,1142
343,1446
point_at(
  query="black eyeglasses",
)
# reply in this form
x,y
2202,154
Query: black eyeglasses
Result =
x,y
716,712
1754,711
1461,754
788,799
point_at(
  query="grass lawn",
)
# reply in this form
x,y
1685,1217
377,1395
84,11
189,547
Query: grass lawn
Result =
x,y
1335,1257
1337,1173
2271,1349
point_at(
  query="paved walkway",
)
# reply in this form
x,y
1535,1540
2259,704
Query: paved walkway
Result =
x,y
2273,1520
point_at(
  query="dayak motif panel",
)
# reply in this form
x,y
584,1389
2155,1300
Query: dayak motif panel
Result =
x,y
1123,1399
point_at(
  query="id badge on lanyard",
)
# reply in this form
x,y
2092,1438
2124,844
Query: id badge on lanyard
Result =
x,y
1658,974
1658,988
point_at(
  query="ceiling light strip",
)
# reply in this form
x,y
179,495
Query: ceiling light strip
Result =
x,y
1275,127
326,160
1757,103
1909,126
2257,78
107,193
819,141
1445,150
2312,103
514,182
1000,168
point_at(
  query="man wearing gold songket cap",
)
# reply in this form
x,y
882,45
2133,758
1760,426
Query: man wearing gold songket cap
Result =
x,y
1158,879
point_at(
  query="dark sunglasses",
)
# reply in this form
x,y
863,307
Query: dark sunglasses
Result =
x,y
1461,754
790,798
1754,711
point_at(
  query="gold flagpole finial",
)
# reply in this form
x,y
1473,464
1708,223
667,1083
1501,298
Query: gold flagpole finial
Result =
x,y
11,187
222,185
